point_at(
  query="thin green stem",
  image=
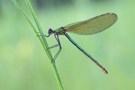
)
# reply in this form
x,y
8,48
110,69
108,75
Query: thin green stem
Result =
x,y
41,38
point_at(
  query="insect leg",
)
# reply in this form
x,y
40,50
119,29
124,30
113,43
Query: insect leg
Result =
x,y
53,46
60,48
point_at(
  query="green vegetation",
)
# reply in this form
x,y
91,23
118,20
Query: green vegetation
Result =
x,y
25,66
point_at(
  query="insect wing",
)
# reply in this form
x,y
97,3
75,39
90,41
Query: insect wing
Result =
x,y
93,25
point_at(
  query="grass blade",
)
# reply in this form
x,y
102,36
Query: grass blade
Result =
x,y
41,38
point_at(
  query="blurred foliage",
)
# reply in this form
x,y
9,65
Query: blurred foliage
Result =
x,y
24,65
52,3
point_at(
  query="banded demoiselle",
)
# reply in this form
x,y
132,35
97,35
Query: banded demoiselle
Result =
x,y
87,27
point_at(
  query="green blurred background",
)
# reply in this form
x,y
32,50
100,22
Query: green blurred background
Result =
x,y
25,66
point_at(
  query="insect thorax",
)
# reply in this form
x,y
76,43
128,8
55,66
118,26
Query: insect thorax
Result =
x,y
60,31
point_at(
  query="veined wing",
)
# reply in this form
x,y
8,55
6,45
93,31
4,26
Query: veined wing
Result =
x,y
93,25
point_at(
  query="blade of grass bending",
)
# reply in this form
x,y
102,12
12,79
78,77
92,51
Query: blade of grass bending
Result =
x,y
45,43
42,40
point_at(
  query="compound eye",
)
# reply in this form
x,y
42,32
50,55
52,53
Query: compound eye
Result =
x,y
50,31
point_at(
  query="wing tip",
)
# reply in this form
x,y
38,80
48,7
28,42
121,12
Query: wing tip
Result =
x,y
114,14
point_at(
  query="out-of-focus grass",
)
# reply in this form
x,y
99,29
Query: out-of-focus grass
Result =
x,y
24,66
